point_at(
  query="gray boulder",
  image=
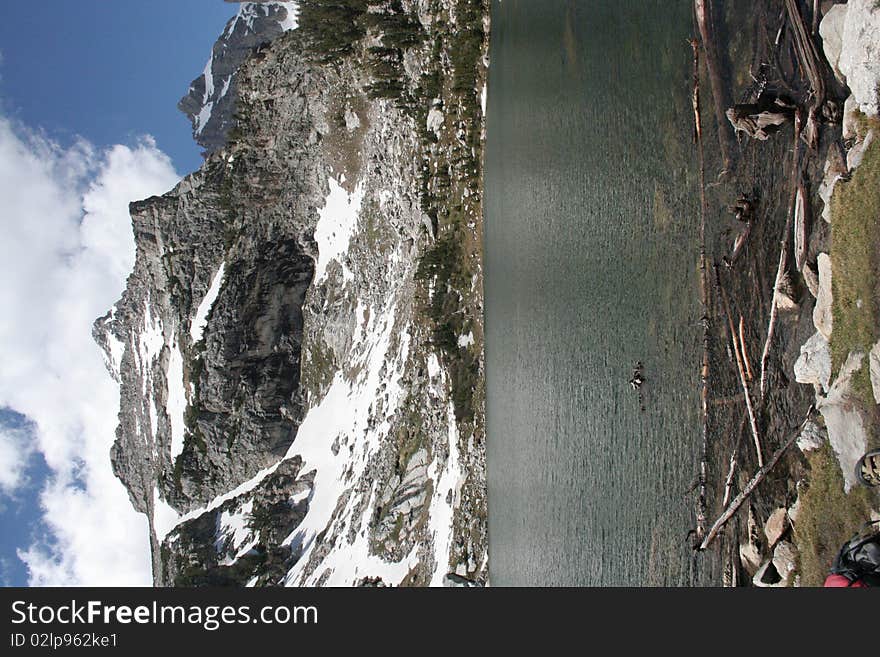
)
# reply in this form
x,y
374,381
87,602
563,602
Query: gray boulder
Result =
x,y
843,419
794,511
811,279
822,318
814,364
785,560
776,526
777,571
850,125
874,362
812,437
859,59
831,30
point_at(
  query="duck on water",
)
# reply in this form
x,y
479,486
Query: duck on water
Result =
x,y
637,379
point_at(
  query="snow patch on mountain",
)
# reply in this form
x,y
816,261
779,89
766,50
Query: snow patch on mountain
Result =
x,y
197,327
207,103
150,344
115,352
234,534
239,491
290,22
176,405
337,438
336,224
444,501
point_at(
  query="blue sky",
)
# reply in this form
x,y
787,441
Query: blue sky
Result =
x,y
19,513
81,82
108,70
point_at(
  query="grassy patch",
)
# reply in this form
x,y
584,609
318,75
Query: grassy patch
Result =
x,y
855,235
451,195
446,266
320,368
827,517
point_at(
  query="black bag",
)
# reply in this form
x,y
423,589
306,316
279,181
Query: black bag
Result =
x,y
859,558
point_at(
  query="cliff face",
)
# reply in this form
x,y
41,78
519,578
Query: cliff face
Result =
x,y
287,416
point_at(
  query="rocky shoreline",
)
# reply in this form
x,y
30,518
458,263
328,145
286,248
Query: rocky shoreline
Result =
x,y
850,36
790,544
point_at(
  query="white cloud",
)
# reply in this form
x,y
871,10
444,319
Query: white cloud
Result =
x,y
67,248
15,452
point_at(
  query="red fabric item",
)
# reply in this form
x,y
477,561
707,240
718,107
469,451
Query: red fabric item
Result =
x,y
839,581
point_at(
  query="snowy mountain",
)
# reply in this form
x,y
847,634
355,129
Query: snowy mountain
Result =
x,y
300,374
210,101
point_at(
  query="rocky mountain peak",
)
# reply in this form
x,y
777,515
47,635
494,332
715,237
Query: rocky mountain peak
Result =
x,y
210,102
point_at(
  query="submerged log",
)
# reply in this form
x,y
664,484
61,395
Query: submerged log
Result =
x,y
758,120
739,242
705,302
703,13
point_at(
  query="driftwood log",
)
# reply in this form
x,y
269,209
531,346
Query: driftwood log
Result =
x,y
810,62
753,484
704,300
801,226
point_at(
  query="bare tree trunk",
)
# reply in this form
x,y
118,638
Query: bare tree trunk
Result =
x,y
810,61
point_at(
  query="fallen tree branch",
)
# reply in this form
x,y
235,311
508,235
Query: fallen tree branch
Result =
x,y
742,346
783,262
808,57
807,54
742,375
801,226
728,482
750,487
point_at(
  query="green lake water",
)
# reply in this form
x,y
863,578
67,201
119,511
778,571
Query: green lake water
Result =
x,y
591,234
